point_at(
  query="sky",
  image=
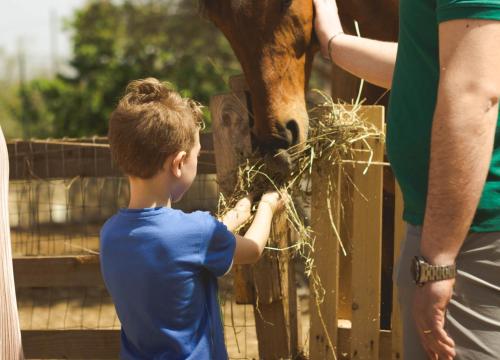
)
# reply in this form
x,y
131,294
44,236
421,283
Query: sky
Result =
x,y
26,24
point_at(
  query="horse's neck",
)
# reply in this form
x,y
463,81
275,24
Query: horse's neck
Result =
x,y
377,18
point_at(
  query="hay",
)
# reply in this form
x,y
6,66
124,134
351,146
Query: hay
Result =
x,y
335,131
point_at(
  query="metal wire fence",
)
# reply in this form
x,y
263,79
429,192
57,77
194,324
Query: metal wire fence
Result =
x,y
61,193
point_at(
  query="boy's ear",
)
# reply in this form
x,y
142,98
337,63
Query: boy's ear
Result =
x,y
177,163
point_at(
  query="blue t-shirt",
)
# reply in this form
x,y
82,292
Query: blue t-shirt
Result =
x,y
160,266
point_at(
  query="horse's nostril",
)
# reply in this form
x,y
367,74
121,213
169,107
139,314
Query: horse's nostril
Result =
x,y
292,128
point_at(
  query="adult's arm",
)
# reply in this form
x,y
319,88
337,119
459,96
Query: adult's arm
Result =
x,y
367,59
463,133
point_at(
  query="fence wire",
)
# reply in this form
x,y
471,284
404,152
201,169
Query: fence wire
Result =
x,y
51,215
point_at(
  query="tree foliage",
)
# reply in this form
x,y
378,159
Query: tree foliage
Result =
x,y
115,42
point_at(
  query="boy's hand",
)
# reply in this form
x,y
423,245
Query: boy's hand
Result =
x,y
238,215
274,199
244,208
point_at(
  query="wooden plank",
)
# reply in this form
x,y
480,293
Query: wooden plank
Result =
x,y
238,83
344,339
229,121
71,344
399,233
58,271
271,275
10,336
347,190
105,344
366,245
63,159
324,283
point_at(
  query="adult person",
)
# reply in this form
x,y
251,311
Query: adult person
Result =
x,y
443,143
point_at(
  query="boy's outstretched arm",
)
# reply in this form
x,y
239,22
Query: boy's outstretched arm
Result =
x,y
238,215
249,248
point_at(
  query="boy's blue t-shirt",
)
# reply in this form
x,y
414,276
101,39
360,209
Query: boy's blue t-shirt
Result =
x,y
160,266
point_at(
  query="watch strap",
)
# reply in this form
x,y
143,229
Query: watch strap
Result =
x,y
437,272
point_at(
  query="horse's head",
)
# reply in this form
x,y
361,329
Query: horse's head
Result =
x,y
273,40
275,44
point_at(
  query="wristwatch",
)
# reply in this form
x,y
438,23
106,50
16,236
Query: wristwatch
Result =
x,y
423,272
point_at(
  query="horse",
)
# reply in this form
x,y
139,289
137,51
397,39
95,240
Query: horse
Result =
x,y
275,43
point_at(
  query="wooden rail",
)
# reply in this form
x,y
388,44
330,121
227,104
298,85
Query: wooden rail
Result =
x,y
70,158
105,344
352,282
269,284
58,271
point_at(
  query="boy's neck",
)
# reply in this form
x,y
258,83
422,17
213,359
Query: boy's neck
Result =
x,y
148,193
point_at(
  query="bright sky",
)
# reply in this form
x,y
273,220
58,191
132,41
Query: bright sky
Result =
x,y
26,23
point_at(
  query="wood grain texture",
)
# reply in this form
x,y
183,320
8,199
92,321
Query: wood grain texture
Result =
x,y
271,284
399,234
231,140
324,306
71,344
10,335
366,245
58,271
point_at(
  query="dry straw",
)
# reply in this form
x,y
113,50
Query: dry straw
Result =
x,y
336,131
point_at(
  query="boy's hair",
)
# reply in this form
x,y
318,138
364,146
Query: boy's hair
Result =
x,y
150,123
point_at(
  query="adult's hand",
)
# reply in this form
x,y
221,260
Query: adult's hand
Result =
x,y
429,311
327,23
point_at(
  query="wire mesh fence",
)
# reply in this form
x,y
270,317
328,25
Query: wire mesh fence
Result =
x,y
61,193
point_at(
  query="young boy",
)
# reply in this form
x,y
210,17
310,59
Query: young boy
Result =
x,y
161,265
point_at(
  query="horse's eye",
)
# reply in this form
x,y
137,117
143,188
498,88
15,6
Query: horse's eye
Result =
x,y
285,4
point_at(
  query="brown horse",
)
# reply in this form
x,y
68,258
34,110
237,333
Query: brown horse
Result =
x,y
275,44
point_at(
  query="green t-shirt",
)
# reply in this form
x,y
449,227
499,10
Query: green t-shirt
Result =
x,y
413,101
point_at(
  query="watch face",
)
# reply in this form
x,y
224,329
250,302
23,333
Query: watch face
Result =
x,y
415,269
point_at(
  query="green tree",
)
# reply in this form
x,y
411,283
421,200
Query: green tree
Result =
x,y
115,42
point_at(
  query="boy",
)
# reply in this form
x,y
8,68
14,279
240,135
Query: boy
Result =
x,y
161,265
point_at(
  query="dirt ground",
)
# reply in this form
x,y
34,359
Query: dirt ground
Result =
x,y
92,308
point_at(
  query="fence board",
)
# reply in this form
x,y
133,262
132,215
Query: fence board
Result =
x,y
66,159
271,275
58,271
399,233
324,308
71,344
230,120
10,338
105,344
366,246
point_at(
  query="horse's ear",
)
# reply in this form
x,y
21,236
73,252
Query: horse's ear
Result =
x,y
204,5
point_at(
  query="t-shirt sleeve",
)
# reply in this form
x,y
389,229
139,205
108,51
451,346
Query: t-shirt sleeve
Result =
x,y
467,9
217,247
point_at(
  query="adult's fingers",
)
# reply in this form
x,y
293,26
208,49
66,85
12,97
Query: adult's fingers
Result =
x,y
438,342
435,340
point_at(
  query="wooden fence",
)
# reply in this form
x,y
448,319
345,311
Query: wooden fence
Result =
x,y
347,318
345,322
70,159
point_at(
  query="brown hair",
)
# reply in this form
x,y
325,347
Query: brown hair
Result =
x,y
150,123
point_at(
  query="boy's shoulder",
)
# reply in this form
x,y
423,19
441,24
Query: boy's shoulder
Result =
x,y
199,221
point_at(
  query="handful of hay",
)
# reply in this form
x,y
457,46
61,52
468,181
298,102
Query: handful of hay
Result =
x,y
334,132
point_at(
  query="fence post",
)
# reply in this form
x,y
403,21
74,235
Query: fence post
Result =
x,y
366,244
272,287
399,233
324,284
10,334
